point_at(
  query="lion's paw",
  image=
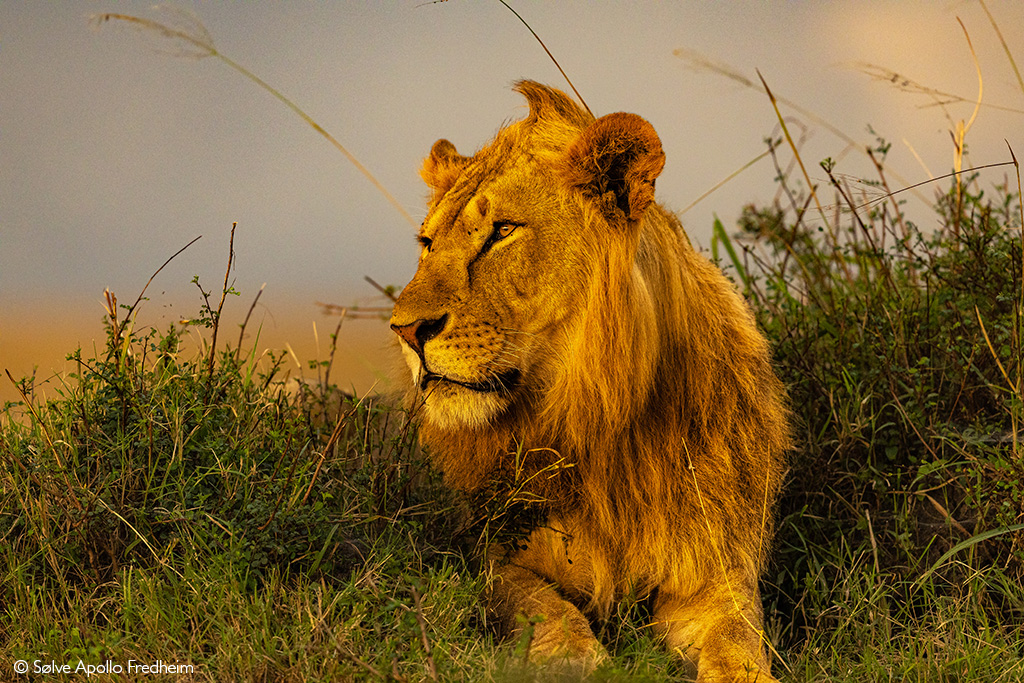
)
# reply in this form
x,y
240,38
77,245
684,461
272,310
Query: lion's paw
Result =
x,y
575,654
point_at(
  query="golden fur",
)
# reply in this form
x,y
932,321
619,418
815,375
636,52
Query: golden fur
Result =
x,y
561,325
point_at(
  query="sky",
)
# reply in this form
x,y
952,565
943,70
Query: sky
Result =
x,y
115,152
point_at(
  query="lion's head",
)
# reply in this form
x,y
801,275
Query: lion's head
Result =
x,y
507,251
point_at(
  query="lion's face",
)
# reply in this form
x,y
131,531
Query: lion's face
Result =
x,y
510,245
493,292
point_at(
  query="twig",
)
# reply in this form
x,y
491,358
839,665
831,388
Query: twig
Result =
x,y
335,435
945,513
940,98
220,307
727,179
981,82
871,535
1020,304
951,174
1002,41
960,133
330,356
383,290
1013,389
354,312
880,169
864,228
431,667
792,145
245,323
112,300
372,671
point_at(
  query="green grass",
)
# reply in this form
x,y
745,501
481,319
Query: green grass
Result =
x,y
167,508
901,546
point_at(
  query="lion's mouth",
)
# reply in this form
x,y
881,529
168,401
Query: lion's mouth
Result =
x,y
503,382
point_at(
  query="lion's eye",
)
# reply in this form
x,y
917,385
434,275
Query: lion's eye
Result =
x,y
503,229
425,242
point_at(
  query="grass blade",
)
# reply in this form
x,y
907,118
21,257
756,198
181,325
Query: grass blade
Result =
x,y
963,545
720,236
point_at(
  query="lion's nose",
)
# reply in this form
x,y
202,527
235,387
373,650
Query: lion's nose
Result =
x,y
417,334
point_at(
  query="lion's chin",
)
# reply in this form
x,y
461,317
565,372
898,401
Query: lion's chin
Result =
x,y
453,407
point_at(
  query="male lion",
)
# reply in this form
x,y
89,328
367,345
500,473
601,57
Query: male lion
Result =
x,y
560,328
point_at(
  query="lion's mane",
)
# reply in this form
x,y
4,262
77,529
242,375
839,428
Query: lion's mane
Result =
x,y
660,404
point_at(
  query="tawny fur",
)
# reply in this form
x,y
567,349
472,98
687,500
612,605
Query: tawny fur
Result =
x,y
640,372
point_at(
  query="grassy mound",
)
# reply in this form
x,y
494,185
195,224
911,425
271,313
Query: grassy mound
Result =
x,y
191,508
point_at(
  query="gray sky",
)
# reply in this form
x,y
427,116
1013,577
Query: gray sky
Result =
x,y
113,154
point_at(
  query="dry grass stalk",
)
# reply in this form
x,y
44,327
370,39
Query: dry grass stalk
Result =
x,y
793,146
1002,41
700,62
199,44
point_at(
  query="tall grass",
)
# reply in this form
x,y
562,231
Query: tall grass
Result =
x,y
188,507
903,523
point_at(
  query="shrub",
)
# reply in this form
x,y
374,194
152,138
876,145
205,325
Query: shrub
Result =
x,y
902,352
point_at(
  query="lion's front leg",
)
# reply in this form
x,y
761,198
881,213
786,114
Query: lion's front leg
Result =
x,y
524,592
517,597
719,630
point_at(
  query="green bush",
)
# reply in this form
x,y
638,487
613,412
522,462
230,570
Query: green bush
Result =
x,y
901,349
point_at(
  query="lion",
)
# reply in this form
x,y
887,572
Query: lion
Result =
x,y
561,328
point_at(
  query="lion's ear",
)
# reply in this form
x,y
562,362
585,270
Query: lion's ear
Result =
x,y
442,167
615,161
